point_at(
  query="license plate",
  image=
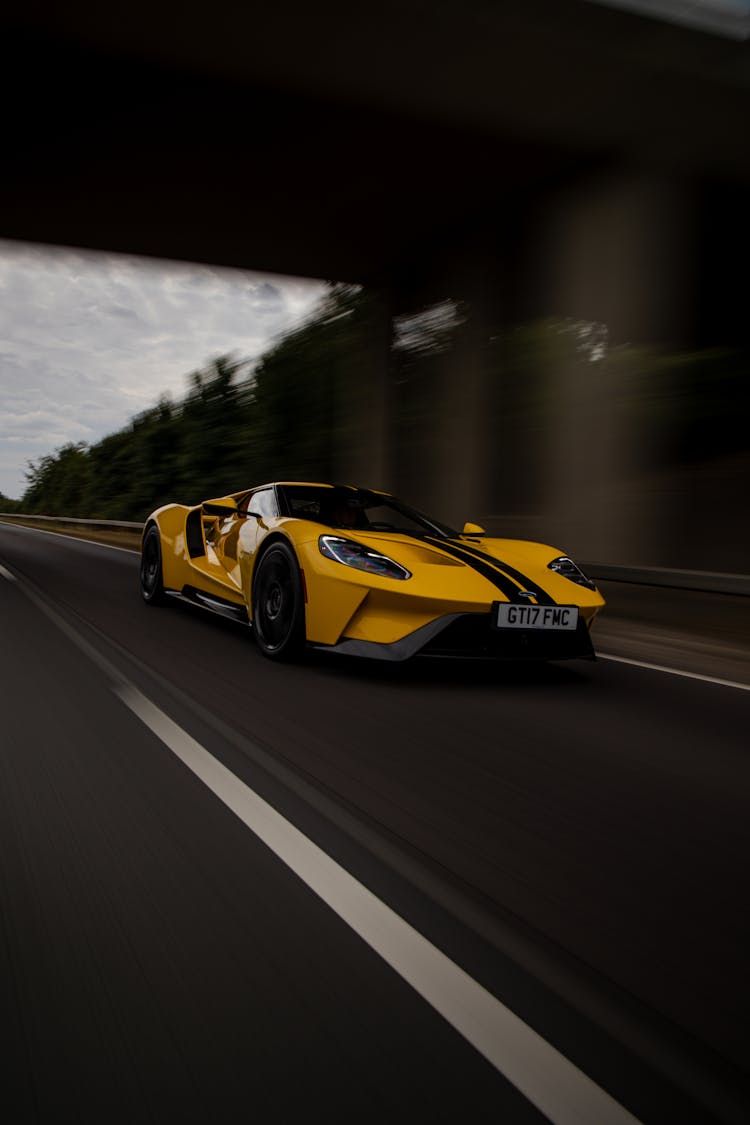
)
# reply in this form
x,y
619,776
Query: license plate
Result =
x,y
537,616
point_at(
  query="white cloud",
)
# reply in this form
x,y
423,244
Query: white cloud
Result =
x,y
89,340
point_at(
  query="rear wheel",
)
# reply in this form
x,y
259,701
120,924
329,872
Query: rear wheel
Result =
x,y
152,584
278,604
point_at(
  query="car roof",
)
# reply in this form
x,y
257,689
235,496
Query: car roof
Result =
x,y
316,484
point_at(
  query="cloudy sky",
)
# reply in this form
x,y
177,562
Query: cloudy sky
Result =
x,y
87,341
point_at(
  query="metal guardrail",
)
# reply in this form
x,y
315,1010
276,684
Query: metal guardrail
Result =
x,y
113,525
703,580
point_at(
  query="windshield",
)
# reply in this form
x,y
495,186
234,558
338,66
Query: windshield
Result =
x,y
357,509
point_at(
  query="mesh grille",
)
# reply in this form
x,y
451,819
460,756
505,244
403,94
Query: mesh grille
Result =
x,y
475,635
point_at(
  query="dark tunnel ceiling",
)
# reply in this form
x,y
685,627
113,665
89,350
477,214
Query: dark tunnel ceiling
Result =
x,y
335,140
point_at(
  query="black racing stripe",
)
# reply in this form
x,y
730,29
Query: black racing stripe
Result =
x,y
541,595
491,573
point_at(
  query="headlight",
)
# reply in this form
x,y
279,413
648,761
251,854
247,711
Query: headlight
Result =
x,y
349,553
568,569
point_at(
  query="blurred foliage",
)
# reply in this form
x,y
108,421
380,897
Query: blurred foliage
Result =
x,y
58,480
695,405
297,386
8,505
290,415
235,428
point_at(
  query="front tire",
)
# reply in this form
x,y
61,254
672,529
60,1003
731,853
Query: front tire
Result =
x,y
152,583
278,604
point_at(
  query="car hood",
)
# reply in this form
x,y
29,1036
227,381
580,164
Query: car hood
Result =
x,y
523,562
517,553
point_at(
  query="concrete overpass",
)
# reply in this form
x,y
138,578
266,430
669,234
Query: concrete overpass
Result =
x,y
338,142
534,158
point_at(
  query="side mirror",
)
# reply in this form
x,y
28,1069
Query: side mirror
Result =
x,y
473,529
225,506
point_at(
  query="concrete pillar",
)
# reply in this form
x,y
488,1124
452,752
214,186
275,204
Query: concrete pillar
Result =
x,y
443,454
617,248
461,440
614,250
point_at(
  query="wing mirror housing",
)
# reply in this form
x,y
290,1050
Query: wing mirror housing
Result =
x,y
224,506
473,529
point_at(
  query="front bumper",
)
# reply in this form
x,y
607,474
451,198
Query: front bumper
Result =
x,y
473,636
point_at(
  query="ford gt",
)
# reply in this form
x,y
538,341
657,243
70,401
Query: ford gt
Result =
x,y
356,571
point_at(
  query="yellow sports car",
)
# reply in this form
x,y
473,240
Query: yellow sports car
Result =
x,y
356,571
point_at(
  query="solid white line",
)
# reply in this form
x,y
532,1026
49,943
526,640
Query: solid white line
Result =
x,y
542,1074
674,671
7,574
545,1077
75,538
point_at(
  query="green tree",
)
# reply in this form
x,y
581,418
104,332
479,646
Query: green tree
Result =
x,y
8,505
58,482
297,384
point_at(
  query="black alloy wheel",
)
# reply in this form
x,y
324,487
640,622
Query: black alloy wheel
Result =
x,y
152,585
278,604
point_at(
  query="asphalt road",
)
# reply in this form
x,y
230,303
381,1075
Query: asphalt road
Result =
x,y
574,837
693,630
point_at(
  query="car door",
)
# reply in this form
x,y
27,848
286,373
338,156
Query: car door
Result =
x,y
260,509
221,544
225,535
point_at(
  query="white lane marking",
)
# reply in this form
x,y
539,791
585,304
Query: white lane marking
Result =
x,y
674,671
544,1076
7,574
75,538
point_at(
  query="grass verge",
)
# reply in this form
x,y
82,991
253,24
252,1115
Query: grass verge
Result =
x,y
130,540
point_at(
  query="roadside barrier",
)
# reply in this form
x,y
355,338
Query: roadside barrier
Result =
x,y
703,580
65,521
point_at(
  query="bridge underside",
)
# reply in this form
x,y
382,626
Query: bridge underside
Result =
x,y
539,158
319,141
